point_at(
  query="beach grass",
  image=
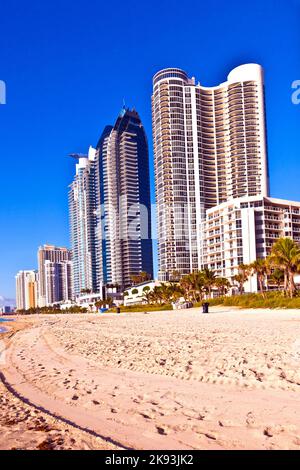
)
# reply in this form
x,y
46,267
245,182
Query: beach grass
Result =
x,y
268,300
143,308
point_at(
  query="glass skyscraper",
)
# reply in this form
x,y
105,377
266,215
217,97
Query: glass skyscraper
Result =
x,y
124,241
110,208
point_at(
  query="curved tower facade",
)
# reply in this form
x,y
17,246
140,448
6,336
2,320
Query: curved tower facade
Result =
x,y
209,147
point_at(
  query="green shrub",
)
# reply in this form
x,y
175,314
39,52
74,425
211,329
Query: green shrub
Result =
x,y
271,300
143,308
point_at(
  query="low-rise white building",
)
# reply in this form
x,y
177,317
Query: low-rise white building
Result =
x,y
136,294
89,300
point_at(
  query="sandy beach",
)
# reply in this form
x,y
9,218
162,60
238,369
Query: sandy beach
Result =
x,y
163,380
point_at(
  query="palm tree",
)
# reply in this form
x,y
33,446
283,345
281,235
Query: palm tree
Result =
x,y
242,276
175,276
144,276
223,285
209,280
165,293
109,301
140,278
186,285
86,291
148,297
157,295
239,278
175,291
260,268
192,286
285,255
277,277
99,304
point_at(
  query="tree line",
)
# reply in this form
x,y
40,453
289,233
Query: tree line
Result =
x,y
276,271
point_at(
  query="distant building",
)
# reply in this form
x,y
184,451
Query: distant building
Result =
x,y
55,275
5,310
242,230
58,277
26,290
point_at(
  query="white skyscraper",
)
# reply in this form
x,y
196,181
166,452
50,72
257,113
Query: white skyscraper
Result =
x,y
209,147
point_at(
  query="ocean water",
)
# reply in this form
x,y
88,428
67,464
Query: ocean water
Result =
x,y
2,320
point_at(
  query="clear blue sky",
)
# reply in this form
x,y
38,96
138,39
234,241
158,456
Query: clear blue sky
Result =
x,y
69,64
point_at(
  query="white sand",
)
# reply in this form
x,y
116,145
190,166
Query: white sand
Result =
x,y
166,380
22,427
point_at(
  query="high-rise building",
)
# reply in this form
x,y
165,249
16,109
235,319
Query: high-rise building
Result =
x,y
209,147
55,281
82,212
58,281
26,290
103,202
244,229
124,212
110,209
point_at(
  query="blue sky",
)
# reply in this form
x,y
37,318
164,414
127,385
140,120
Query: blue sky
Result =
x,y
69,64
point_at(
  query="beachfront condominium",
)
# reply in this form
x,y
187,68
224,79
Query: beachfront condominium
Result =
x,y
244,229
55,281
110,212
26,290
209,148
58,281
124,243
